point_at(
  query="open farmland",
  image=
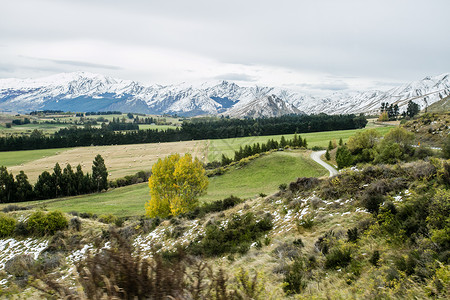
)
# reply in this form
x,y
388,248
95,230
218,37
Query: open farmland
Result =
x,y
121,160
262,175
321,139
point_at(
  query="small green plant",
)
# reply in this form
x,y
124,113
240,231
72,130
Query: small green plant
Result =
x,y
375,258
307,222
282,187
7,225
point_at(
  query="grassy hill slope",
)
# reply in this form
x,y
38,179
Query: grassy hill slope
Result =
x,y
262,175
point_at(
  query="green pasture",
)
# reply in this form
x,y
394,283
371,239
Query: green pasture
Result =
x,y
262,175
15,158
28,128
228,146
159,127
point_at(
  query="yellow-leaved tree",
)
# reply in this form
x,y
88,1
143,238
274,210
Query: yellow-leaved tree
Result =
x,y
175,185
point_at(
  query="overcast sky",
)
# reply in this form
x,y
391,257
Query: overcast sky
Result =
x,y
313,46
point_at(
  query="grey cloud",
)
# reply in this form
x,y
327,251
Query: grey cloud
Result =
x,y
334,86
399,40
236,77
76,63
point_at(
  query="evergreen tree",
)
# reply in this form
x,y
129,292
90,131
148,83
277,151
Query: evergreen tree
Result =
x,y
295,142
57,180
327,155
225,160
24,188
78,180
44,187
412,109
330,146
283,142
68,181
341,142
343,157
7,186
304,143
99,174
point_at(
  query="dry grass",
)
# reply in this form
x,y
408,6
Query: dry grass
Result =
x,y
121,160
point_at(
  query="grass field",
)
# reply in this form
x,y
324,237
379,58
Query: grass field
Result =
x,y
262,175
121,160
228,146
18,158
160,127
47,129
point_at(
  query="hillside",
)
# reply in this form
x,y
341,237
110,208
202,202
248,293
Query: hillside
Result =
x,y
320,239
430,128
440,106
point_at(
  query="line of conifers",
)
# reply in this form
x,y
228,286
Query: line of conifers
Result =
x,y
60,183
193,129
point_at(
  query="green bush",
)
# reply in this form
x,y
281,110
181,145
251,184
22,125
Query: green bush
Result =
x,y
108,219
236,236
294,279
338,257
7,225
42,224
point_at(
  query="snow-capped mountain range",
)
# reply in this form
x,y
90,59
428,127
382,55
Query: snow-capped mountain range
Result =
x,y
82,91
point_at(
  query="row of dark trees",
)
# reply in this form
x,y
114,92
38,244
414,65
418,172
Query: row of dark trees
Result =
x,y
391,112
231,128
100,113
209,129
61,183
271,144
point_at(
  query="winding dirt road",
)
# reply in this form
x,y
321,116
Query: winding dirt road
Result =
x,y
315,155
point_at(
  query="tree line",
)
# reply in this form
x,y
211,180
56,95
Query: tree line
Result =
x,y
190,130
391,112
60,183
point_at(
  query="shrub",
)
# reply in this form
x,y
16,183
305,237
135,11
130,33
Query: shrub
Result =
x,y
88,215
338,257
42,224
75,224
13,207
108,219
236,236
307,222
352,235
375,258
20,265
7,225
55,221
303,183
295,277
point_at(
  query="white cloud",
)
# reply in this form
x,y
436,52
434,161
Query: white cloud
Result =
x,y
290,43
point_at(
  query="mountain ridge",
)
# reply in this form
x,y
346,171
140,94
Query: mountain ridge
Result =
x,y
84,91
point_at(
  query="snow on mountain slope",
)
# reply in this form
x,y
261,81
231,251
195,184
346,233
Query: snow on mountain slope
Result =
x,y
423,92
267,106
82,91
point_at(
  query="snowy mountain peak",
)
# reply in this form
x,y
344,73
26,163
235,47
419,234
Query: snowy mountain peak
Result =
x,y
84,91
268,106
